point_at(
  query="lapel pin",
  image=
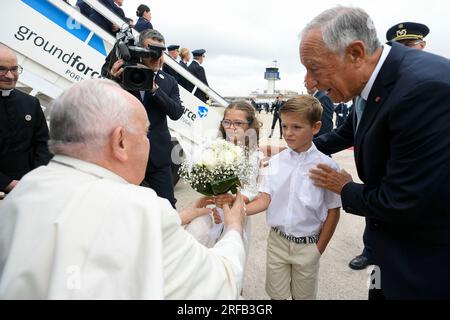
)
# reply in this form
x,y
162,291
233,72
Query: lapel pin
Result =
x,y
28,117
161,76
377,99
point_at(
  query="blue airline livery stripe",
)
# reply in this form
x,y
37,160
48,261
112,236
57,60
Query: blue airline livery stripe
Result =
x,y
60,18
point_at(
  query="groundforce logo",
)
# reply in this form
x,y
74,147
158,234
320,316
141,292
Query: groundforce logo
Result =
x,y
70,59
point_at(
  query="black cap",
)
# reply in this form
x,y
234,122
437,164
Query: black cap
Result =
x,y
198,52
407,31
173,47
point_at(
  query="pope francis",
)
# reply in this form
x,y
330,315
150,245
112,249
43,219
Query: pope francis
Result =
x,y
82,228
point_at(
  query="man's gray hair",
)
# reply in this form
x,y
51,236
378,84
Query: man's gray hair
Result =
x,y
82,117
150,34
342,25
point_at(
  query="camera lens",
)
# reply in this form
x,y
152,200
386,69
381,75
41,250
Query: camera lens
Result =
x,y
137,76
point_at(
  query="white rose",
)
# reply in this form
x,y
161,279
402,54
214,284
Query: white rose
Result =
x,y
208,159
228,157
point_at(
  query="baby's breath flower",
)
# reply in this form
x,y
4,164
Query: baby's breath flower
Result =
x,y
219,161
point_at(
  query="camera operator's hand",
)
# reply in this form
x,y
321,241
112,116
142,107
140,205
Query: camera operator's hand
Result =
x,y
117,69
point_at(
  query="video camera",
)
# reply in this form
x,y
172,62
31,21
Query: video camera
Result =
x,y
134,76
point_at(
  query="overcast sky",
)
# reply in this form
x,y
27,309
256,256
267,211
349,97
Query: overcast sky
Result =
x,y
242,38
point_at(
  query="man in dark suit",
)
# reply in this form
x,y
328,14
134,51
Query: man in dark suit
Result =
x,y
409,34
327,106
197,70
173,51
342,111
85,9
277,104
162,101
23,128
399,129
327,114
98,19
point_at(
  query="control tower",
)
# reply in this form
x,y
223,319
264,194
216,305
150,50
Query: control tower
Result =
x,y
271,75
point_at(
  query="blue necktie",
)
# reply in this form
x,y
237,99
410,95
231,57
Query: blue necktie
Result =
x,y
359,108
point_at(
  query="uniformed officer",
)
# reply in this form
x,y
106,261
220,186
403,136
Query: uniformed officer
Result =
x,y
174,53
410,34
23,128
342,110
197,70
144,14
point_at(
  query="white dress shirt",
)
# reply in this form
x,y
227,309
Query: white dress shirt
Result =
x,y
368,87
74,230
297,207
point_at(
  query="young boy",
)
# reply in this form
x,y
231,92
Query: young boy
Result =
x,y
302,216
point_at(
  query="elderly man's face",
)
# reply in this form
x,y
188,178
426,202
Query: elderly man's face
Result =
x,y
326,71
8,61
311,89
138,140
154,64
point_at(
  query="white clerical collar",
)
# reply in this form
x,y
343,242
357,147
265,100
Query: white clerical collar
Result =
x,y
366,91
87,167
6,93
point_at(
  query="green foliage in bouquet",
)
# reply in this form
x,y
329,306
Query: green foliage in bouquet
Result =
x,y
218,187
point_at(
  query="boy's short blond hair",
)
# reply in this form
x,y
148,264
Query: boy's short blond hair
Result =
x,y
305,105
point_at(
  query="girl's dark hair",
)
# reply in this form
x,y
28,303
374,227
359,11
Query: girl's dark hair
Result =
x,y
141,9
252,119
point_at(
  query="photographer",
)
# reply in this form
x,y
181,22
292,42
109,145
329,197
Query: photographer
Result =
x,y
160,101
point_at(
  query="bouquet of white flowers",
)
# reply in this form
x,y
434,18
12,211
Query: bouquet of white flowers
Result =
x,y
218,168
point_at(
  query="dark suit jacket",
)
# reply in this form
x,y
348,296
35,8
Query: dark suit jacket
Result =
x,y
327,113
167,69
142,24
342,111
23,136
85,9
402,154
182,63
182,81
277,105
165,102
101,21
197,70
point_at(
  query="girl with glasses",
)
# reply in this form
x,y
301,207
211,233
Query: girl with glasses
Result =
x,y
241,126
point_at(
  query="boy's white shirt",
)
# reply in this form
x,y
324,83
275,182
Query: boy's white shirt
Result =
x,y
297,207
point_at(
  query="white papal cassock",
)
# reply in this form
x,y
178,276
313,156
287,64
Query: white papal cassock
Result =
x,y
74,230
